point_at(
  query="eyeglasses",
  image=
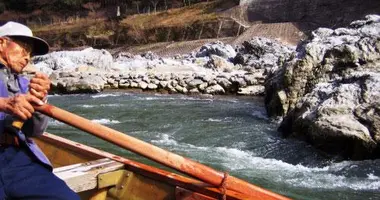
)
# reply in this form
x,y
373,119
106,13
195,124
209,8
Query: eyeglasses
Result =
x,y
27,47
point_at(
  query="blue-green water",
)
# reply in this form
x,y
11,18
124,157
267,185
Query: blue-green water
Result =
x,y
230,134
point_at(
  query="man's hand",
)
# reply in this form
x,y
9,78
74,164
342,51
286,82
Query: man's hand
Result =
x,y
20,105
39,85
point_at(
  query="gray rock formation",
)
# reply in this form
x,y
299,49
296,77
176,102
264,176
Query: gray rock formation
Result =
x,y
218,63
69,60
77,83
263,53
217,48
328,94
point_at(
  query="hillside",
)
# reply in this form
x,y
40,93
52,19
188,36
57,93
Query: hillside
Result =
x,y
204,20
137,25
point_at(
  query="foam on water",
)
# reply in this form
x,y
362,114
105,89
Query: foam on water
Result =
x,y
214,120
101,105
174,98
225,119
372,176
87,106
55,123
171,97
259,114
165,139
106,95
53,95
105,121
156,98
63,95
298,175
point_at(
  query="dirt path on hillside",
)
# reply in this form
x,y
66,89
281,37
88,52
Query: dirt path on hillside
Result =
x,y
288,33
167,49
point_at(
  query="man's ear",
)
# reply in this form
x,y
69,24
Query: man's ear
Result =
x,y
3,42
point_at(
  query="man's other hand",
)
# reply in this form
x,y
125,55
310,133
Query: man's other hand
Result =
x,y
39,85
20,105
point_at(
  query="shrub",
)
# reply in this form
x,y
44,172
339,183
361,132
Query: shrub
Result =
x,y
2,7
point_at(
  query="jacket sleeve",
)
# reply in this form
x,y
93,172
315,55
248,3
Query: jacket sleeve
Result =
x,y
36,125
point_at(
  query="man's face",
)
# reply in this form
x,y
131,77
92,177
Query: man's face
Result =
x,y
15,54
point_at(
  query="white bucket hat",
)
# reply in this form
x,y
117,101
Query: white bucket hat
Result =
x,y
23,33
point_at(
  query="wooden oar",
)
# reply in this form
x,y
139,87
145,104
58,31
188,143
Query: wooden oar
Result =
x,y
177,162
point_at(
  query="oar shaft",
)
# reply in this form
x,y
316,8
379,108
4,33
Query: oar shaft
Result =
x,y
157,154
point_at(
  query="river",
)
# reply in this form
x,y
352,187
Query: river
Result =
x,y
231,134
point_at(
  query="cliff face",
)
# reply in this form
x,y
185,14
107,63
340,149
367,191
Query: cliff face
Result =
x,y
316,13
329,91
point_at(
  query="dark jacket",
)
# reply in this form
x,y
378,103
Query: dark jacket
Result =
x,y
10,85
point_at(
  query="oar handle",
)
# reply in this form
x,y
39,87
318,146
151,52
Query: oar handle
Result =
x,y
157,154
17,124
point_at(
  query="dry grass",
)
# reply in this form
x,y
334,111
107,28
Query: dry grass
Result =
x,y
179,17
173,18
77,24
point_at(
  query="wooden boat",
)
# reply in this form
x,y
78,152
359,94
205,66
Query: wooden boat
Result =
x,y
99,175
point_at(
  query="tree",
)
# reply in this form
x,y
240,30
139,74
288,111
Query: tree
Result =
x,y
188,3
21,5
2,7
137,3
154,4
165,5
72,3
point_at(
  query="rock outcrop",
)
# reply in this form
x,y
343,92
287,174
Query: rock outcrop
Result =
x,y
68,60
263,53
329,93
217,48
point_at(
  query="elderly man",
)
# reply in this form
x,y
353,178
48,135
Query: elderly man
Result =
x,y
25,172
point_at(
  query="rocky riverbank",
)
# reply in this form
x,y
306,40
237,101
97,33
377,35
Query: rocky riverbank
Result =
x,y
217,68
329,93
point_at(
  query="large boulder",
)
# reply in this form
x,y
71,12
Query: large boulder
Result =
x,y
69,60
217,48
76,71
263,53
329,92
72,85
77,82
220,64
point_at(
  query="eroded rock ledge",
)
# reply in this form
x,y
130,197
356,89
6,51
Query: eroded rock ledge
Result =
x,y
329,94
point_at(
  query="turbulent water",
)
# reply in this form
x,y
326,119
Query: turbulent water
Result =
x,y
231,134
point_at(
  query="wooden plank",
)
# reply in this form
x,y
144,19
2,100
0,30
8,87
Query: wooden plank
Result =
x,y
83,177
60,151
183,194
111,179
135,187
88,194
99,194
